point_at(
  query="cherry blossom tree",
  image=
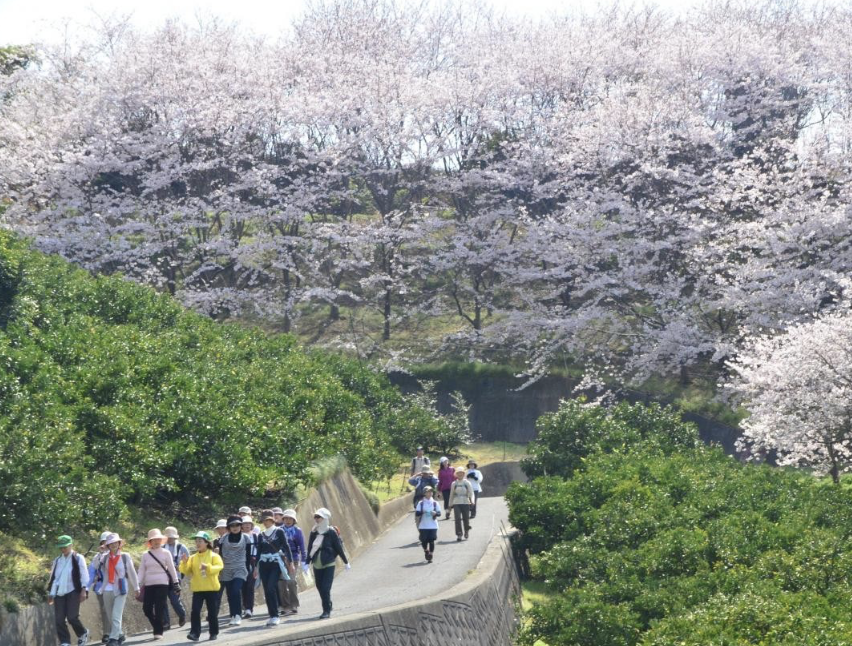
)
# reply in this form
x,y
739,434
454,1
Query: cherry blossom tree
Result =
x,y
797,387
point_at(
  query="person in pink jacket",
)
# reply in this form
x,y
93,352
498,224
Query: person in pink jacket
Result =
x,y
446,475
157,575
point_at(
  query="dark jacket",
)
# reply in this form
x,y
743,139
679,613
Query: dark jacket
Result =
x,y
276,543
331,547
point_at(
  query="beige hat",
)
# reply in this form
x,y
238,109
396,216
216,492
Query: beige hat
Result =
x,y
154,534
113,538
221,523
245,510
247,519
459,470
290,513
172,532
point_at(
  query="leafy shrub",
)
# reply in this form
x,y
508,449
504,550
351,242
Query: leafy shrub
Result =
x,y
657,542
112,392
577,430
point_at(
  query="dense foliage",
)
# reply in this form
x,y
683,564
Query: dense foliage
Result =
x,y
111,392
655,545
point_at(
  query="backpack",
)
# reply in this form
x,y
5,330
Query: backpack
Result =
x,y
337,531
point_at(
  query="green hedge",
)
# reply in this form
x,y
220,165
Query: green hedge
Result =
x,y
111,392
655,542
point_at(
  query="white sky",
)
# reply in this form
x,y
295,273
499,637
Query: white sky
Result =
x,y
23,21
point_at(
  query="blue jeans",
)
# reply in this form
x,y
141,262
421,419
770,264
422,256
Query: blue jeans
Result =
x,y
269,573
177,604
234,589
324,577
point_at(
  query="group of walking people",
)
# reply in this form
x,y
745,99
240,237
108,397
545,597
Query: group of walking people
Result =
x,y
460,489
241,557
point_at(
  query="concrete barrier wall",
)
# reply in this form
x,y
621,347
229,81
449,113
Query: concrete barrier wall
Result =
x,y
351,512
497,477
479,611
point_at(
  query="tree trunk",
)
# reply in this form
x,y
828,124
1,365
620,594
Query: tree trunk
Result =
x,y
387,314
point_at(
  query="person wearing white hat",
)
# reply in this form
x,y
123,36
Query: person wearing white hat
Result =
x,y
157,575
177,550
119,576
221,529
296,540
324,547
251,579
96,583
245,510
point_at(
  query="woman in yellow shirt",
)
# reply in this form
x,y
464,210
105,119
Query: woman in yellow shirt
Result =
x,y
203,567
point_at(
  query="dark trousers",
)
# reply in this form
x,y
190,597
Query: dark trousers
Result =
x,y
324,577
461,512
67,608
248,591
234,590
199,599
427,539
269,573
156,605
445,494
176,603
473,506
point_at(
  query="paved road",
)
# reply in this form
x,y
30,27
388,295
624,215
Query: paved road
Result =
x,y
389,572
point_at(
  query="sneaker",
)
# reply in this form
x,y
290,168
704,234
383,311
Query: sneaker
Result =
x,y
246,614
158,638
465,536
429,556
84,639
64,644
458,538
182,622
105,639
213,638
237,620
325,615
293,612
273,621
121,639
192,638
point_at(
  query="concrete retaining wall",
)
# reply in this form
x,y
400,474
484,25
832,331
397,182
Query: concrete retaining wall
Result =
x,y
479,611
497,477
359,527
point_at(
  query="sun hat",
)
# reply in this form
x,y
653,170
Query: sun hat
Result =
x,y
425,469
425,489
171,532
248,519
202,535
221,523
266,514
322,512
245,510
443,459
290,513
104,535
114,538
235,520
278,511
419,448
473,462
459,470
155,534
64,541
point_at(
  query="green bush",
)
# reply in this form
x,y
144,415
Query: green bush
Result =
x,y
111,392
577,430
652,540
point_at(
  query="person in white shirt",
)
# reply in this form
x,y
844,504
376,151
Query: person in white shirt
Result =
x,y
475,477
427,512
418,462
178,550
67,588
